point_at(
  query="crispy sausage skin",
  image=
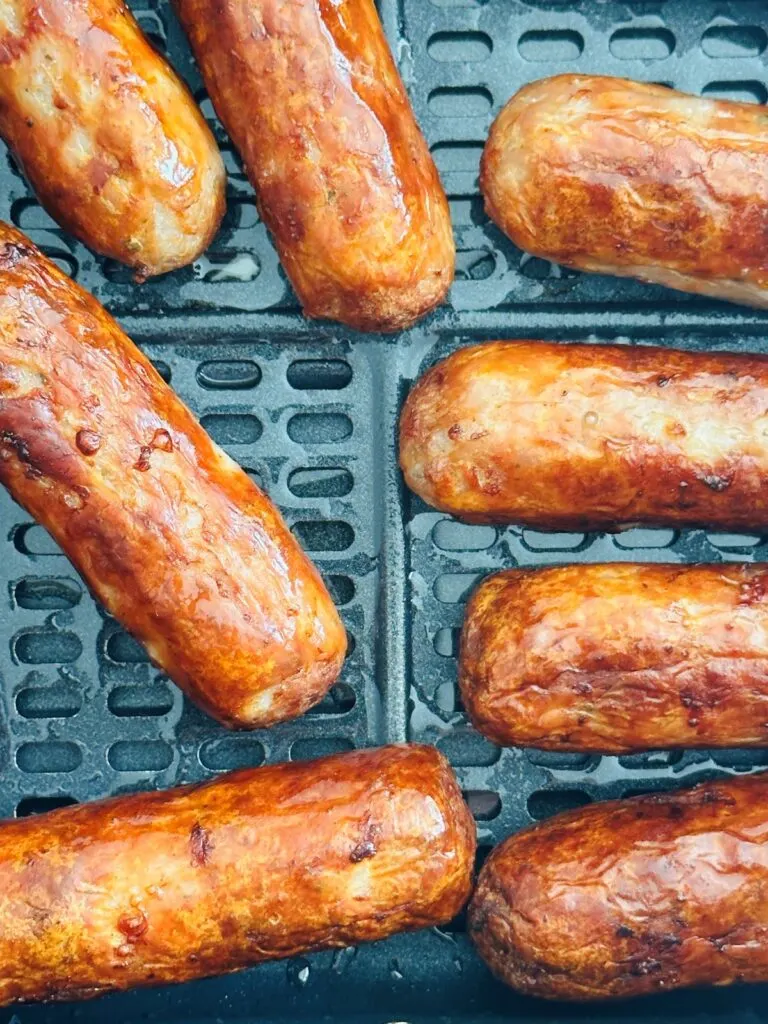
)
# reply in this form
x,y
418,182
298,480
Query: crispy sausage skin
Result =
x,y
166,529
637,180
260,864
632,896
312,99
108,136
619,658
591,436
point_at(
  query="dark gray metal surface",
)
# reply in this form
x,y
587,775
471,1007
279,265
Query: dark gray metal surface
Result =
x,y
311,410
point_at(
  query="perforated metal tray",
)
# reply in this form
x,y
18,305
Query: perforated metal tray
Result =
x,y
311,410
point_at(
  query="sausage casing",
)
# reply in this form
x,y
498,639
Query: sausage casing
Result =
x,y
633,179
632,896
107,134
619,657
591,436
261,864
166,529
311,97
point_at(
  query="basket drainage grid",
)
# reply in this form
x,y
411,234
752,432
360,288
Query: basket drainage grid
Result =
x,y
310,411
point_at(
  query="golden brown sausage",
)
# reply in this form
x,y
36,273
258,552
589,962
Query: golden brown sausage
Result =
x,y
633,896
637,180
617,658
167,530
260,864
311,97
589,437
108,136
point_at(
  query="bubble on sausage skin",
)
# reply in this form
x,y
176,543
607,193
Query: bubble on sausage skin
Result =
x,y
88,441
162,440
591,418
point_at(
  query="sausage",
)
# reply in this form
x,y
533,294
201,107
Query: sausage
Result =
x,y
169,533
257,865
311,98
619,658
107,134
631,897
637,180
591,437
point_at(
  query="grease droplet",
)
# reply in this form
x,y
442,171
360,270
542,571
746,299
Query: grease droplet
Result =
x,y
298,972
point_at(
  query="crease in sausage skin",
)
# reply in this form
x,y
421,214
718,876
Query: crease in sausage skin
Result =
x,y
170,534
631,897
311,98
580,436
256,865
635,180
107,134
619,658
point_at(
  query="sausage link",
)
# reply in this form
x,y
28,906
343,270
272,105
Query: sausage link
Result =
x,y
107,134
312,99
166,529
589,437
631,897
618,658
260,864
637,180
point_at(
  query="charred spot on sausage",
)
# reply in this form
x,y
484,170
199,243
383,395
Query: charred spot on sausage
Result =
x,y
200,845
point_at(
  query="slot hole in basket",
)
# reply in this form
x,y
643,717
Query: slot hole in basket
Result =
x,y
47,647
123,649
163,369
231,752
339,700
319,374
139,756
42,804
450,535
57,701
739,92
47,593
466,748
455,587
729,41
228,374
484,804
459,47
48,757
544,803
446,642
321,482
460,101
642,43
550,45
227,428
341,588
319,427
308,749
324,534
140,701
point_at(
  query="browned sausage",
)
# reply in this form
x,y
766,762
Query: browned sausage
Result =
x,y
260,864
167,530
632,896
311,97
589,437
108,136
618,658
637,180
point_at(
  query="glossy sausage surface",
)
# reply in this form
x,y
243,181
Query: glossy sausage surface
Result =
x,y
107,134
591,436
633,896
311,98
165,528
257,865
618,658
633,179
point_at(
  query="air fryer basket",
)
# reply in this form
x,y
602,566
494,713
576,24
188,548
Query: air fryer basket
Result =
x,y
311,410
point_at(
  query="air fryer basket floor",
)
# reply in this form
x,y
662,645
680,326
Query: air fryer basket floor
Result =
x,y
311,410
